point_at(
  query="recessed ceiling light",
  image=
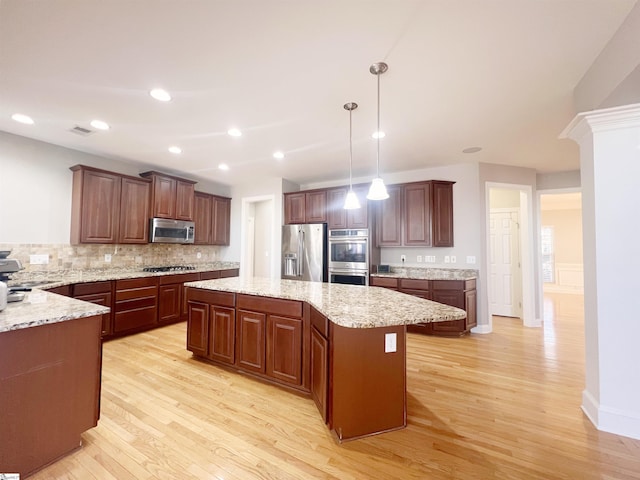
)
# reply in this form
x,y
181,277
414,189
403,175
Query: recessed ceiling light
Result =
x,y
99,124
472,150
160,94
223,166
279,155
378,134
176,150
234,132
19,117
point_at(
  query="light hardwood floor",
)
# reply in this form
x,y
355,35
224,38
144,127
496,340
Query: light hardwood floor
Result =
x,y
499,406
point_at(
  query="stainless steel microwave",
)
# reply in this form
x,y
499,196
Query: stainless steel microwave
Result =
x,y
164,230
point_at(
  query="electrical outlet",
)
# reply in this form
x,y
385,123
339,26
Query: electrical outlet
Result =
x,y
390,343
403,258
447,259
107,257
453,259
430,259
471,259
198,255
419,258
39,259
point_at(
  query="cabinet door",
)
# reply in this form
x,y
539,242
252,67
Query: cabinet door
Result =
x,y
164,197
222,335
316,207
198,328
319,371
442,195
221,221
359,217
389,218
453,298
100,299
294,208
134,211
184,200
251,341
470,300
100,207
336,214
203,218
169,302
417,214
284,349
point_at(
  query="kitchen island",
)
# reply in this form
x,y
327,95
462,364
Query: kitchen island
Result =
x,y
50,366
343,345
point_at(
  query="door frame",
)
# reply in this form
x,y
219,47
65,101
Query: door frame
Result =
x,y
527,252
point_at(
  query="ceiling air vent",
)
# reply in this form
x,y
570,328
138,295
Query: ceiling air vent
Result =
x,y
81,131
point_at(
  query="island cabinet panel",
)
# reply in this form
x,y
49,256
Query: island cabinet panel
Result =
x,y
284,349
222,334
251,341
198,328
136,304
319,352
49,391
134,211
387,282
370,395
100,293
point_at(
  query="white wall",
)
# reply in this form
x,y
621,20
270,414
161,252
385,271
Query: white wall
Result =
x,y
558,180
263,212
36,184
504,198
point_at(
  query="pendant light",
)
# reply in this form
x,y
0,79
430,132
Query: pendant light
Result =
x,y
351,202
378,191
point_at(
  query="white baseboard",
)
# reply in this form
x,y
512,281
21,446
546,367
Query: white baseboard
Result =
x,y
609,419
482,329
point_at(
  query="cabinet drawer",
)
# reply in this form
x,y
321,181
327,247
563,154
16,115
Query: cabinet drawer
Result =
x,y
136,303
210,275
91,288
135,293
426,294
287,308
211,297
454,284
131,319
412,284
232,272
320,322
384,282
136,283
179,278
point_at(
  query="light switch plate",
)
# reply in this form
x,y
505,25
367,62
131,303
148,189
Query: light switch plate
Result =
x,y
453,259
390,342
419,258
107,257
471,259
447,259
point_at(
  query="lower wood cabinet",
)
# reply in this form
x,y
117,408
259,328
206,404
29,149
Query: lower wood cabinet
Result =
x,y
251,341
136,304
456,293
320,363
198,328
100,293
222,327
172,305
284,349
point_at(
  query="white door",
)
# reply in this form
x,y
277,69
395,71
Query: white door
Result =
x,y
505,273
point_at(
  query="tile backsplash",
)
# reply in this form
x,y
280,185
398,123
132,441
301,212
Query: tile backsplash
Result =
x,y
80,257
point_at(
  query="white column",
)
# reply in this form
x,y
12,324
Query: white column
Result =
x,y
610,170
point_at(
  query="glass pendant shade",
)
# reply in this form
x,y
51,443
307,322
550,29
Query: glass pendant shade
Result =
x,y
351,202
377,191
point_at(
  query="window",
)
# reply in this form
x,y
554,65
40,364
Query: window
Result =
x,y
548,266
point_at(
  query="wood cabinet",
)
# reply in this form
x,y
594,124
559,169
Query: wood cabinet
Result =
x,y
136,304
198,328
338,217
284,349
305,207
416,214
64,290
107,207
251,341
171,300
222,335
171,197
100,293
212,219
319,384
456,293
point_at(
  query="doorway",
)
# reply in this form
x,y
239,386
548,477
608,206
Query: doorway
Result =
x,y
257,237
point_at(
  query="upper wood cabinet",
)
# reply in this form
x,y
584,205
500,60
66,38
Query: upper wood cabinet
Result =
x,y
338,217
107,207
171,197
416,214
305,207
213,219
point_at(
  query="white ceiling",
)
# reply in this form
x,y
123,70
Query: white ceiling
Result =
x,y
492,73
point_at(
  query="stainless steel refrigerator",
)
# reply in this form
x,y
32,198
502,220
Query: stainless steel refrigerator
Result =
x,y
304,252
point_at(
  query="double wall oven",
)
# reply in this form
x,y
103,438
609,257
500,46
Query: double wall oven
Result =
x,y
349,256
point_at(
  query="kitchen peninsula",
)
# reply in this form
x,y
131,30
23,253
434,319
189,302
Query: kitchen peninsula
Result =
x,y
344,345
50,367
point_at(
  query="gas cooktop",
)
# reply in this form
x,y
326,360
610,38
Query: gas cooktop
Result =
x,y
168,268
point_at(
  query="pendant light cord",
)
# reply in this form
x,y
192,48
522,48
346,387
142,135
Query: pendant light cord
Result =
x,y
350,152
378,135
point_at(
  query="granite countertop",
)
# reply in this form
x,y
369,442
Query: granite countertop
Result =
x,y
40,308
345,305
68,277
418,273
